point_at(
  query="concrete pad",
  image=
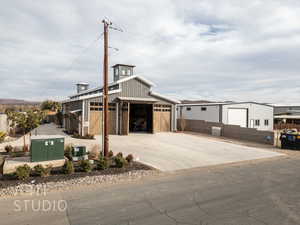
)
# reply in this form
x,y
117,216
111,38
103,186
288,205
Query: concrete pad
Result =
x,y
169,151
10,165
176,151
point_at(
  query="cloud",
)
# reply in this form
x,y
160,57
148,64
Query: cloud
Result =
x,y
210,49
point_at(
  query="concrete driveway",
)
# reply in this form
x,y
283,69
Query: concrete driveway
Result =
x,y
166,151
176,151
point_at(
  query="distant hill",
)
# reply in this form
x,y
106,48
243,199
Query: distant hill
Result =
x,y
10,101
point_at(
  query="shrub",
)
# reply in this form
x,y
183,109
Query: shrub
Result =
x,y
23,172
68,167
120,154
129,158
87,136
42,171
2,136
103,163
94,152
8,148
17,154
120,162
68,152
85,166
110,154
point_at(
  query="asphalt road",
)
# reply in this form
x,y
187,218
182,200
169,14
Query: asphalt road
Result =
x,y
247,194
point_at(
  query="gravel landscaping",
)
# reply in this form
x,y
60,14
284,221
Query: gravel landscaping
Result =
x,y
11,187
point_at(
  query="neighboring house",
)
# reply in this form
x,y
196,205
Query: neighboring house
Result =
x,y
287,114
244,114
133,107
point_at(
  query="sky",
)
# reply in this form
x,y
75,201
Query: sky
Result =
x,y
219,50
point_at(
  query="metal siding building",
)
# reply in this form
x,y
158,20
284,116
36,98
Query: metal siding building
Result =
x,y
133,107
244,114
287,116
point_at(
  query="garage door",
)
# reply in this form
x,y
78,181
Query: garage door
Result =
x,y
96,120
237,117
162,118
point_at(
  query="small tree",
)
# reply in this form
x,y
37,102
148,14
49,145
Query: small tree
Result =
x,y
51,105
26,121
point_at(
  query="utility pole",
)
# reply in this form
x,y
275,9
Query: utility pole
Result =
x,y
105,89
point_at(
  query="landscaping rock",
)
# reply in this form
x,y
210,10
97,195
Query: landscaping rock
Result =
x,y
32,187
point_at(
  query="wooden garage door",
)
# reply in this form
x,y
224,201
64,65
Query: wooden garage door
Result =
x,y
96,119
162,118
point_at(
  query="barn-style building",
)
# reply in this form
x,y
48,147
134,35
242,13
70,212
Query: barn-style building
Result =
x,y
133,107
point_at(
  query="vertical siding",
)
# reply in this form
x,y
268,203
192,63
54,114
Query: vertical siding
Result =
x,y
135,88
211,114
255,112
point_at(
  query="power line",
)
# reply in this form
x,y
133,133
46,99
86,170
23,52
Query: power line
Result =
x,y
70,67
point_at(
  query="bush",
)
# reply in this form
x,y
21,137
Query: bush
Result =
x,y
129,158
9,148
68,167
17,154
87,136
120,154
23,172
94,152
120,162
85,166
110,154
103,163
2,136
42,171
68,152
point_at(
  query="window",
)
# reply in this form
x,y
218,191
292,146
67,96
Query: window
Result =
x,y
116,71
203,108
123,72
188,108
257,122
266,122
128,72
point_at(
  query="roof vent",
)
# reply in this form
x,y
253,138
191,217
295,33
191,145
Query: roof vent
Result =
x,y
122,71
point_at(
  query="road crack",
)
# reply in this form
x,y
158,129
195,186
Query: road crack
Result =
x,y
167,214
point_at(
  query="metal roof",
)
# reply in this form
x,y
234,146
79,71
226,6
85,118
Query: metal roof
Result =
x,y
225,103
137,99
287,116
286,105
118,64
114,83
164,97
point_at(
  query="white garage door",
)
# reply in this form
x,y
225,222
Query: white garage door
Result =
x,y
237,117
